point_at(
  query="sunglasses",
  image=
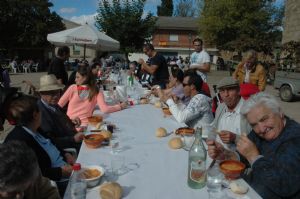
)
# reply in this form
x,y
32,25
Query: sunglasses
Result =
x,y
184,84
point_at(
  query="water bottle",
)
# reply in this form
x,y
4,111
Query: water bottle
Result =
x,y
197,163
78,185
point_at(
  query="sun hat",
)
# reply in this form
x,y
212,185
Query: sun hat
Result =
x,y
49,83
227,82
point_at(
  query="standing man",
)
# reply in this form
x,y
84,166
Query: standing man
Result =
x,y
200,59
229,121
157,66
57,66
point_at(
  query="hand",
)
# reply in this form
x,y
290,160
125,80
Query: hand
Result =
x,y
78,137
70,158
123,105
141,61
175,98
215,149
227,137
247,148
66,170
76,121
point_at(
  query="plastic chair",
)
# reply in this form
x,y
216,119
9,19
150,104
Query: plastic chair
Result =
x,y
35,67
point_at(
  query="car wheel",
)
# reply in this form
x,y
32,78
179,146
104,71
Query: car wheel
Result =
x,y
286,93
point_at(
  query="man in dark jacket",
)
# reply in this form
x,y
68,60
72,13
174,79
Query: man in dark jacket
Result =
x,y
55,123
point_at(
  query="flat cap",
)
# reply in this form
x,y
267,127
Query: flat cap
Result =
x,y
228,82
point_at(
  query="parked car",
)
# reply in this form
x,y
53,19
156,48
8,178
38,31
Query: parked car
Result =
x,y
288,83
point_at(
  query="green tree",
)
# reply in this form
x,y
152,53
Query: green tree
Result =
x,y
166,8
124,21
26,23
240,25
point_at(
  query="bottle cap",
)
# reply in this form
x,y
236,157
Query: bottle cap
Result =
x,y
76,167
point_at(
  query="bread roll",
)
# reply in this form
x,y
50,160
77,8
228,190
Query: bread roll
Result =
x,y
161,132
98,126
144,101
157,104
106,134
111,190
238,187
175,143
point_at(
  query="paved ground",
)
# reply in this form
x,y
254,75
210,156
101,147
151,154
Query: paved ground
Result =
x,y
292,109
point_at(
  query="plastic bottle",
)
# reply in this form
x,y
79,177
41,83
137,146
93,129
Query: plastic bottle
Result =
x,y
78,185
197,163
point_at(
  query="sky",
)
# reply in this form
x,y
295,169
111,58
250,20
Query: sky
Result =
x,y
82,11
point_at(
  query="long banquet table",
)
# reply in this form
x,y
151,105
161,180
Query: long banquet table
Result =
x,y
156,171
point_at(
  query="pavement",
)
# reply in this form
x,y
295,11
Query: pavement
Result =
x,y
291,109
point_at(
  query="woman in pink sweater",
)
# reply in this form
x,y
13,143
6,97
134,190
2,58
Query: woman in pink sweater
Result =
x,y
84,95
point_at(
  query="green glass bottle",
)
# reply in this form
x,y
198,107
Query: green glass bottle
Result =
x,y
197,163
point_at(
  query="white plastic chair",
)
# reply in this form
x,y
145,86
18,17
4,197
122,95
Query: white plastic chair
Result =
x,y
35,67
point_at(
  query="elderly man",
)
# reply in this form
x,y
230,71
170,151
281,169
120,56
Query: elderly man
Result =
x,y
55,123
20,176
200,59
272,149
157,66
198,111
229,121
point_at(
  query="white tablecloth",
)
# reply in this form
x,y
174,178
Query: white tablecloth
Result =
x,y
157,172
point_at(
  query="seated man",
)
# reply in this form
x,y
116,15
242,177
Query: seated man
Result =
x,y
272,149
198,111
55,123
229,121
20,175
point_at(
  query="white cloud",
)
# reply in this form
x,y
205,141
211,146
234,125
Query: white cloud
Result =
x,y
67,10
82,19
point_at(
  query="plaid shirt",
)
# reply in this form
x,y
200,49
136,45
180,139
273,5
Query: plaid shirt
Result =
x,y
276,174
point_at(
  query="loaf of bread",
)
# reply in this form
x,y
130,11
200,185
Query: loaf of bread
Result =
x,y
161,132
175,143
238,187
106,134
111,190
157,104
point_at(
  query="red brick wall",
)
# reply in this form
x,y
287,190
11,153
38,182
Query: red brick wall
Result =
x,y
161,38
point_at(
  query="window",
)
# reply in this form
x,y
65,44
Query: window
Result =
x,y
76,50
173,37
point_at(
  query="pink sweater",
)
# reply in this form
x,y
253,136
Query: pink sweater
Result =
x,y
83,108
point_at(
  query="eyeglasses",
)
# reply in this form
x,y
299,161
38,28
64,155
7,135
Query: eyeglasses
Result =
x,y
184,84
54,92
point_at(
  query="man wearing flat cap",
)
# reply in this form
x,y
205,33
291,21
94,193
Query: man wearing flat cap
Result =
x,y
55,123
228,120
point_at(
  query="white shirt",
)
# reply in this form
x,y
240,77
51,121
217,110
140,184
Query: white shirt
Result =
x,y
195,114
247,76
230,121
199,58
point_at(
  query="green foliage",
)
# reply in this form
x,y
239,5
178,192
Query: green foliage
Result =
x,y
240,25
166,8
26,23
123,20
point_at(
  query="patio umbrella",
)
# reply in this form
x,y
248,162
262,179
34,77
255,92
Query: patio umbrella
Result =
x,y
86,36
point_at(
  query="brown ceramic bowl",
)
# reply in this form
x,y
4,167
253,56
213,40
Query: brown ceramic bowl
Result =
x,y
232,169
95,119
166,111
93,140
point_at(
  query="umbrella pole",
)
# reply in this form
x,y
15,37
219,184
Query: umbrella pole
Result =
x,y
84,48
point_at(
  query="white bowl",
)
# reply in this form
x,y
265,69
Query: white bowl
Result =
x,y
92,182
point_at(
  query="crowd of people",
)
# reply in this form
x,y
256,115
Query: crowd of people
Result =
x,y
251,126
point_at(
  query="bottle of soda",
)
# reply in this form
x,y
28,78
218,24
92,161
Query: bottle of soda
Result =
x,y
197,162
78,185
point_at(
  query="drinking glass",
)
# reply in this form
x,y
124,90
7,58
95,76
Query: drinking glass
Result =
x,y
214,181
117,165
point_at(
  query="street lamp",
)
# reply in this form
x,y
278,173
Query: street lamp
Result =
x,y
190,40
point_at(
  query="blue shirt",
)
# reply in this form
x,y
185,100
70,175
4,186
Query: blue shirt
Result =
x,y
52,151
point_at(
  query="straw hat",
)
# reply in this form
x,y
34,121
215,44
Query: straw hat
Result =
x,y
49,83
227,82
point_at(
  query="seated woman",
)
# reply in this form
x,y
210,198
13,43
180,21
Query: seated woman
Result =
x,y
174,87
84,96
24,111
